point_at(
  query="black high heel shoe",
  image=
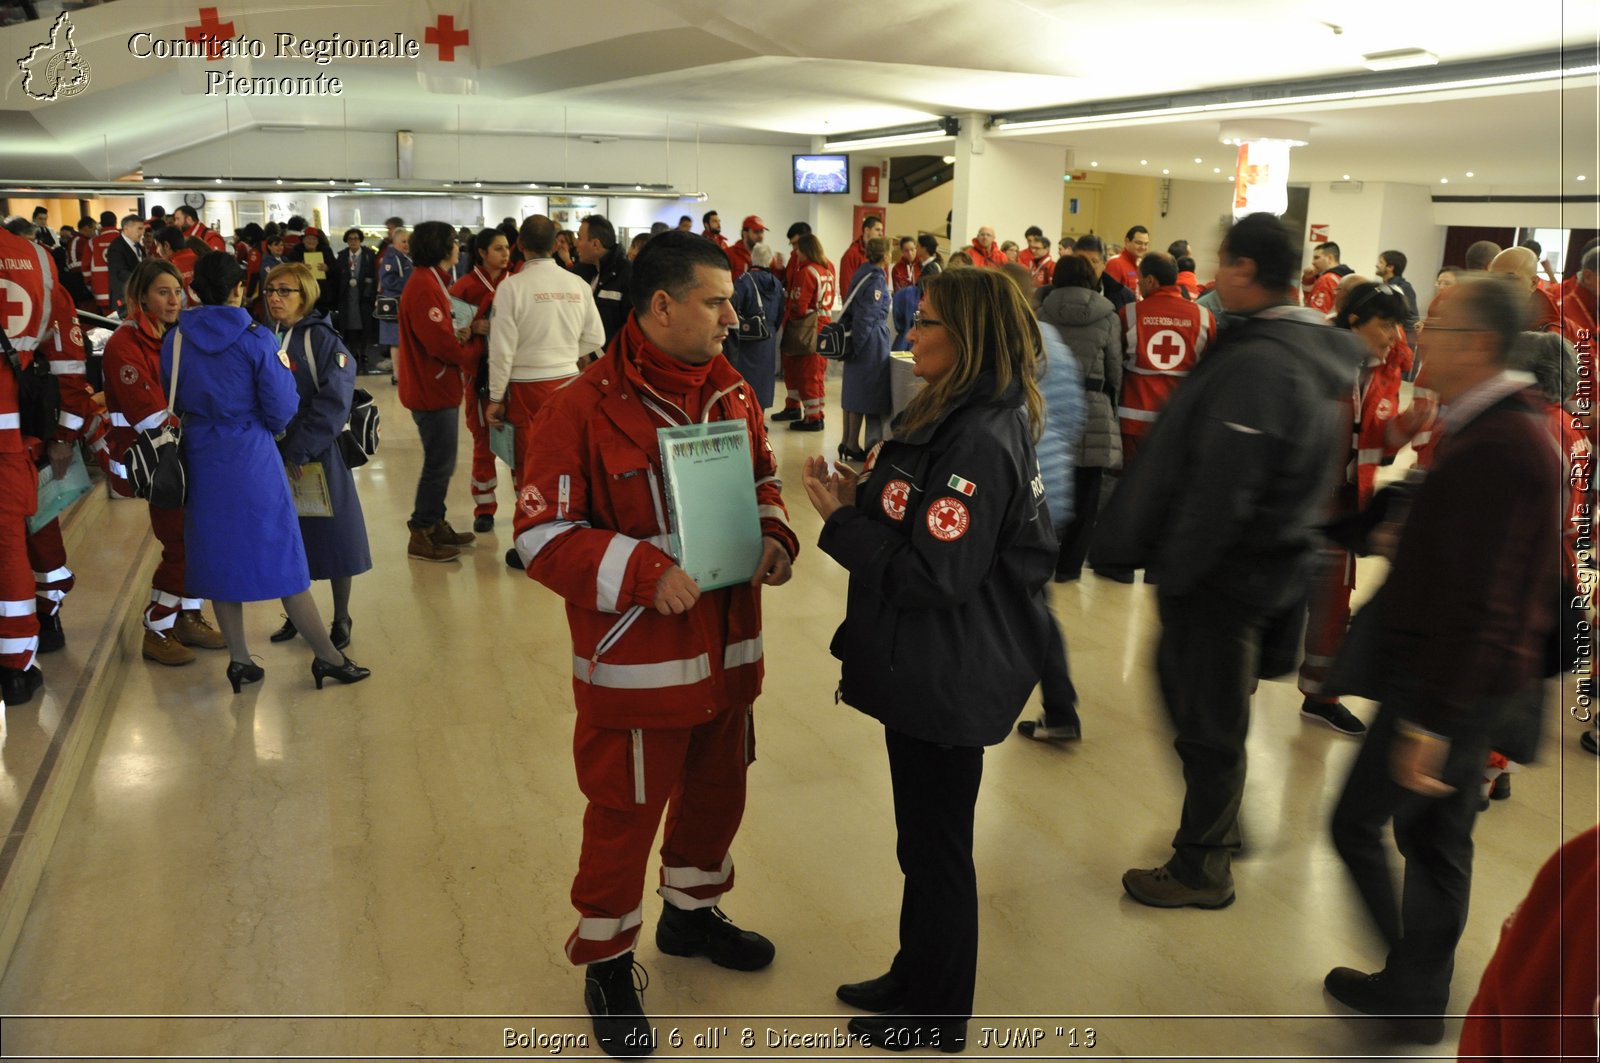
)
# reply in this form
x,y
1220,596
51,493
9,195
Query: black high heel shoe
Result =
x,y
339,633
240,673
284,633
348,672
849,453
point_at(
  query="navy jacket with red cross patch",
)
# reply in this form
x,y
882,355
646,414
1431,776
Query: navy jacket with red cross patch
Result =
x,y
949,546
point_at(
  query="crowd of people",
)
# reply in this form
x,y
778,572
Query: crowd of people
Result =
x,y
1089,408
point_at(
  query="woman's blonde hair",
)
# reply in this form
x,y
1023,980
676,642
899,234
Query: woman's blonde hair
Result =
x,y
993,331
299,274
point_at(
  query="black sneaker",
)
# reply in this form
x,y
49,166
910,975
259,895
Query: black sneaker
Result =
x,y
17,687
1334,715
51,637
1371,994
787,415
483,522
514,560
611,993
707,932
1116,574
810,424
1043,731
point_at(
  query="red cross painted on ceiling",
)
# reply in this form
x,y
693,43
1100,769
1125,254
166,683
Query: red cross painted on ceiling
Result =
x,y
447,37
211,30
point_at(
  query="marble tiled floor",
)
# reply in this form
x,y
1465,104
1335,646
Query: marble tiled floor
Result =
x,y
382,870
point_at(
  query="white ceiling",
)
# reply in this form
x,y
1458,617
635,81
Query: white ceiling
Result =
x,y
783,72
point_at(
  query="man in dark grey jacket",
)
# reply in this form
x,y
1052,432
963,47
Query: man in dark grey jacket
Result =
x,y
1224,502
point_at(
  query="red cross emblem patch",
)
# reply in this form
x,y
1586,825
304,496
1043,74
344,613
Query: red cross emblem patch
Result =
x,y
435,314
129,375
948,519
895,496
531,502
1385,410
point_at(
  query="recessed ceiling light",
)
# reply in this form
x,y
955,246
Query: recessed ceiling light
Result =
x,y
1166,171
330,180
1094,164
1346,177
477,184
1444,180
1216,169
585,186
1144,162
638,188
157,180
218,180
947,159
280,180
1581,177
1469,173
1197,160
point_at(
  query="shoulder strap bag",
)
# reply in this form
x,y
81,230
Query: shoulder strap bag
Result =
x,y
155,461
833,339
753,327
359,440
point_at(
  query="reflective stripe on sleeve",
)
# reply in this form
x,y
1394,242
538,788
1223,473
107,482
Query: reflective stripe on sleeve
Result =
x,y
535,539
118,419
11,420
191,605
155,420
1129,414
61,368
117,468
773,512
53,576
654,676
70,421
613,567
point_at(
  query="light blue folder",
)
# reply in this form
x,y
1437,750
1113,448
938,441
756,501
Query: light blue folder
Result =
x,y
56,495
501,443
711,501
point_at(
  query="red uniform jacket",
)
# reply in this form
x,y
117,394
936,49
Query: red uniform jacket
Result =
x,y
134,397
1124,269
30,272
1188,284
738,258
984,259
431,358
1379,401
591,526
854,255
212,239
1165,336
904,274
1323,292
1043,269
99,271
475,288
1543,315
69,365
184,260
813,289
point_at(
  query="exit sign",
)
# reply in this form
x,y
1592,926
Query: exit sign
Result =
x,y
1076,175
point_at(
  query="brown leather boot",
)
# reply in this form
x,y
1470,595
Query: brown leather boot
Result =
x,y
423,547
164,650
191,629
445,535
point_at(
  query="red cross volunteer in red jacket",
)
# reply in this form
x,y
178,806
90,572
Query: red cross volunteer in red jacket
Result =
x,y
1124,268
1165,336
664,675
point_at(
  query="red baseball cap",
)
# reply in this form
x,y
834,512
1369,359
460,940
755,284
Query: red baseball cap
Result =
x,y
753,222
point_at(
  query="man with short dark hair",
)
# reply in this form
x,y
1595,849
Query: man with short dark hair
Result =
x,y
1391,269
1579,297
713,228
1124,268
355,289
41,222
188,221
1036,256
545,319
99,268
1092,250
1225,502
607,269
685,225
1321,281
1479,255
906,269
663,713
856,253
1468,608
1165,337
795,263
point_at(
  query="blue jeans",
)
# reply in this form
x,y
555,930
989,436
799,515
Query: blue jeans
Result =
x,y
439,430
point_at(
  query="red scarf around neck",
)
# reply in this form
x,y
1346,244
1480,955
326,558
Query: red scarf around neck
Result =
x,y
683,384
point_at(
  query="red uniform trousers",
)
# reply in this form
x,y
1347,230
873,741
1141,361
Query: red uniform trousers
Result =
x,y
166,586
19,621
698,775
523,402
52,579
483,471
803,376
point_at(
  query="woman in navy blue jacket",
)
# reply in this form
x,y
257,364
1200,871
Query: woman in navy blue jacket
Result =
x,y
325,378
865,392
233,392
948,545
757,291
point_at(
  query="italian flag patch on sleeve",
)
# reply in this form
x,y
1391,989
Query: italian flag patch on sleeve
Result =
x,y
966,487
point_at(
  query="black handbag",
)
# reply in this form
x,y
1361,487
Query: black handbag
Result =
x,y
359,439
387,308
833,339
155,461
752,327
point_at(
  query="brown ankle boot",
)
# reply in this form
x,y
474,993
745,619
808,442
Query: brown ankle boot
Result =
x,y
165,650
192,630
445,535
423,547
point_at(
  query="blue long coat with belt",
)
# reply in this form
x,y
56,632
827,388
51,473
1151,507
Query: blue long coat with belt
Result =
x,y
757,291
325,378
392,277
241,536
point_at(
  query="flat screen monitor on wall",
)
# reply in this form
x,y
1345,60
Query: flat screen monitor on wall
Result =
x,y
822,174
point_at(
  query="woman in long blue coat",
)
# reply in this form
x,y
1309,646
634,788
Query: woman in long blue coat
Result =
x,y
393,272
233,392
325,378
757,291
866,362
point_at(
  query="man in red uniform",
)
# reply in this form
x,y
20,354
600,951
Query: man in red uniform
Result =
x,y
188,222
983,249
1579,296
1124,268
856,253
1037,257
713,229
664,674
99,271
1523,264
1165,336
1321,283
751,232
